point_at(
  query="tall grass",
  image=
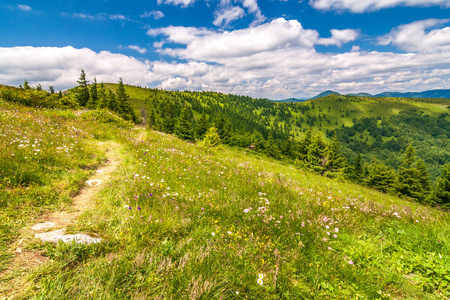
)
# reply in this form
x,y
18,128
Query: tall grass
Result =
x,y
181,221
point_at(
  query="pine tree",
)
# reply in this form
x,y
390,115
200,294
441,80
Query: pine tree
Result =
x,y
124,108
102,98
82,94
212,138
408,182
51,89
381,177
93,95
424,177
112,102
441,194
202,126
315,158
26,86
336,162
183,128
272,148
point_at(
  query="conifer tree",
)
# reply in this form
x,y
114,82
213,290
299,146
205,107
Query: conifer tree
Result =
x,y
124,108
424,177
183,128
26,86
112,101
272,148
93,95
408,181
102,98
82,94
336,162
202,126
381,177
315,158
441,194
212,138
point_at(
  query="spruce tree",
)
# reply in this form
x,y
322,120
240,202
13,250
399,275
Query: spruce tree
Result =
x,y
212,138
315,158
336,162
93,95
26,86
102,98
408,182
441,194
82,93
124,107
112,102
183,128
202,126
381,177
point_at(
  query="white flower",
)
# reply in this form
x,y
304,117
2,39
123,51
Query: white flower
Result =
x,y
260,281
213,233
246,210
336,230
237,292
261,276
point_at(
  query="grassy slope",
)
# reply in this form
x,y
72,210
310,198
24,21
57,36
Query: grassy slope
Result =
x,y
181,221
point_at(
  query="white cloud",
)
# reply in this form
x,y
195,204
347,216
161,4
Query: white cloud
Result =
x,y
183,3
101,16
413,37
359,6
274,60
339,37
156,14
209,45
61,67
224,16
24,7
252,6
138,49
83,16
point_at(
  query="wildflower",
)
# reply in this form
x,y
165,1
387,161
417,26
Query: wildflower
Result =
x,y
260,281
261,276
203,208
246,210
336,230
229,232
335,236
329,248
129,207
350,262
213,233
328,233
139,208
237,292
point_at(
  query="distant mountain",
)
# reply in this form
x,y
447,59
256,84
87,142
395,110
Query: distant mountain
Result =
x,y
361,95
424,94
323,94
291,100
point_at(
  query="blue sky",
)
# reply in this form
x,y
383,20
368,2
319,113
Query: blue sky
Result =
x,y
274,48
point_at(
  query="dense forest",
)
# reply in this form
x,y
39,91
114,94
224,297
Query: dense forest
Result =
x,y
396,145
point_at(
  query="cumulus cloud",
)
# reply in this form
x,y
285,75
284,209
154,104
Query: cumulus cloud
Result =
x,y
339,37
61,67
415,37
183,3
138,49
359,6
274,60
23,7
252,6
156,14
226,15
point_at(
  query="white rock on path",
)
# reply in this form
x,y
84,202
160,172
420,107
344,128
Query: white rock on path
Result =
x,y
41,226
94,182
58,235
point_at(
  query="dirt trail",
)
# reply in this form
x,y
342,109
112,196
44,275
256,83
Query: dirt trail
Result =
x,y
12,279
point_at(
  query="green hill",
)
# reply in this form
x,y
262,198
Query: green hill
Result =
x,y
183,221
399,122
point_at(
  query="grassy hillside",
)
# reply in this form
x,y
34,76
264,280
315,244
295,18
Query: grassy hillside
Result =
x,y
254,121
182,221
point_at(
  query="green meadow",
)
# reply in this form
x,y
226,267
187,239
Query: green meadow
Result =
x,y
179,220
